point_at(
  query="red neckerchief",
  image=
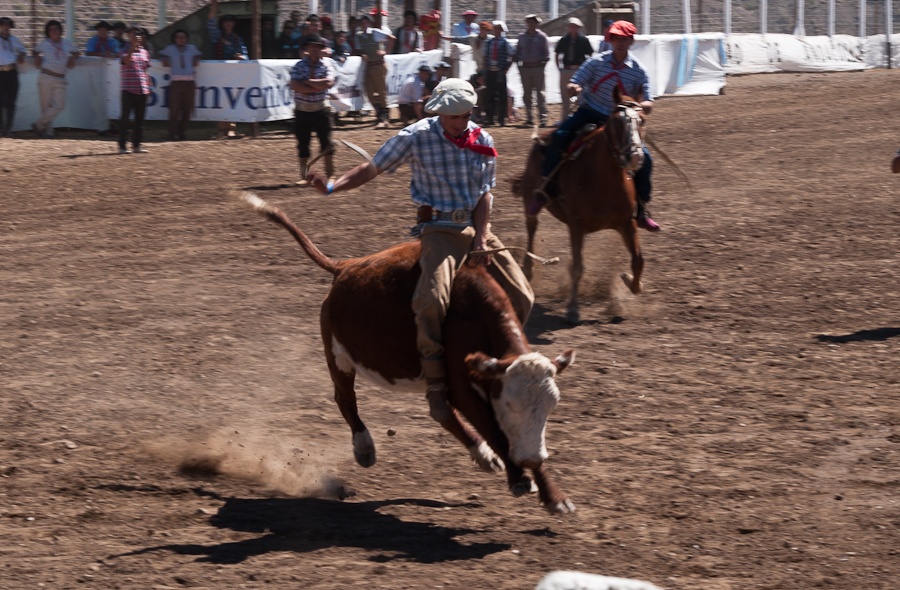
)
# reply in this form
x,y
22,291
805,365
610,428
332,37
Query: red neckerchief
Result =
x,y
616,66
466,141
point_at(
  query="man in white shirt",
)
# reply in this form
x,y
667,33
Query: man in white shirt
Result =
x,y
412,96
52,56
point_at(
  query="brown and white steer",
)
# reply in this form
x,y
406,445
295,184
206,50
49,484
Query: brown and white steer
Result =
x,y
504,390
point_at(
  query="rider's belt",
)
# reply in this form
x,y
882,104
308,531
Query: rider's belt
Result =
x,y
532,64
427,214
54,74
8,68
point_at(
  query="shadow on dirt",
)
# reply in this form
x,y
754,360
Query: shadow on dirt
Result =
x,y
876,335
302,525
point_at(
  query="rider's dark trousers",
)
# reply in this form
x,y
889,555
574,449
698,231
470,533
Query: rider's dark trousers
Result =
x,y
565,134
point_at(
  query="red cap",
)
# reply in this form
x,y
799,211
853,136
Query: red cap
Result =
x,y
373,11
622,28
470,13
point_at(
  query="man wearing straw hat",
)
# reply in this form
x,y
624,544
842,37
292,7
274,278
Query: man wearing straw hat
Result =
x,y
453,165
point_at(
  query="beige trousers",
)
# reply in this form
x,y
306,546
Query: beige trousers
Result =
x,y
376,86
52,96
533,82
444,249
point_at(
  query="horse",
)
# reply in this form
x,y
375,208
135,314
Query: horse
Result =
x,y
595,191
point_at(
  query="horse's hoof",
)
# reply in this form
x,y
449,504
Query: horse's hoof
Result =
x,y
524,486
564,506
634,286
364,449
486,458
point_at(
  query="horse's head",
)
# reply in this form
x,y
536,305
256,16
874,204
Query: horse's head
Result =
x,y
624,127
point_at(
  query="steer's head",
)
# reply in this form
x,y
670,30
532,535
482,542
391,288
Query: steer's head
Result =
x,y
522,398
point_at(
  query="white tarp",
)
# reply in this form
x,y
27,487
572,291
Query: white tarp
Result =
x,y
753,54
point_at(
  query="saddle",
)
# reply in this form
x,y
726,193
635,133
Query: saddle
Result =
x,y
584,137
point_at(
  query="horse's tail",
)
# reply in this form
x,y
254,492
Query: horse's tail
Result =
x,y
275,214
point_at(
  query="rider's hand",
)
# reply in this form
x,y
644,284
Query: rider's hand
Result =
x,y
479,245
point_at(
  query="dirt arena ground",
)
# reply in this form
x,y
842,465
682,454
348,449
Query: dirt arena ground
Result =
x,y
166,417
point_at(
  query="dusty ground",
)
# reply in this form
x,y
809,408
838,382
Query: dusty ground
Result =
x,y
736,426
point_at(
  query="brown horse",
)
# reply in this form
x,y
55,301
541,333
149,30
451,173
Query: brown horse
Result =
x,y
595,192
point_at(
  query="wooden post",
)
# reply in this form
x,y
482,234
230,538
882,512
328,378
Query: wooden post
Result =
x,y
256,46
377,19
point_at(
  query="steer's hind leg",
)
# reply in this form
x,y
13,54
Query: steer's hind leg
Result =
x,y
345,397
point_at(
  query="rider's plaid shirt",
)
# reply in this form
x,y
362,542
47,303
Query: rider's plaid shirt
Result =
x,y
443,176
599,75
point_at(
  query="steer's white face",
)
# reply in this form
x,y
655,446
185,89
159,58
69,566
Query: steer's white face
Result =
x,y
527,397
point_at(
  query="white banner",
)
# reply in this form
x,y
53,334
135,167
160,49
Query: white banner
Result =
x,y
752,54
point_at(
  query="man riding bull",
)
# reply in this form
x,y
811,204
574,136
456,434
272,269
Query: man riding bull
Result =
x,y
453,164
593,84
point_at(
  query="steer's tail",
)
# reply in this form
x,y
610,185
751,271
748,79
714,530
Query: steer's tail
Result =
x,y
278,216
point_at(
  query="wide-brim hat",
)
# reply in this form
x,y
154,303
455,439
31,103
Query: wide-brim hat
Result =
x,y
576,21
453,96
5,20
470,13
621,28
533,17
501,24
425,68
374,11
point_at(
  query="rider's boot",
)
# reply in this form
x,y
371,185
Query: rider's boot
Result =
x,y
436,389
304,169
643,218
541,196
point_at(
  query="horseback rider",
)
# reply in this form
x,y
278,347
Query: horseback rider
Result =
x,y
593,84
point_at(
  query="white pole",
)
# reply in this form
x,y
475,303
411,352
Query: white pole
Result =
x,y
160,14
501,10
763,17
727,17
862,18
830,19
445,20
554,9
686,16
645,17
314,6
70,20
800,18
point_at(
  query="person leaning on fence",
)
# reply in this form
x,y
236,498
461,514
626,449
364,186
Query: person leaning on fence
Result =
x,y
53,55
498,57
593,84
102,44
12,54
412,97
476,42
311,77
467,26
372,45
533,53
453,164
182,58
227,45
136,85
573,49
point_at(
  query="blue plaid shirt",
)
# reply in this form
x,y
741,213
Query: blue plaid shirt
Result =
x,y
599,75
444,176
504,53
302,72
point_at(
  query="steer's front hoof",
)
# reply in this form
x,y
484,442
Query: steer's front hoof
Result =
x,y
564,506
364,449
524,486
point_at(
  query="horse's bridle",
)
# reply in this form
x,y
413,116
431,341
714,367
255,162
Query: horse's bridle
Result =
x,y
627,147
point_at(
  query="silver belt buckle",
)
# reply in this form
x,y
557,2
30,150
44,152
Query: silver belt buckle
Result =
x,y
459,216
